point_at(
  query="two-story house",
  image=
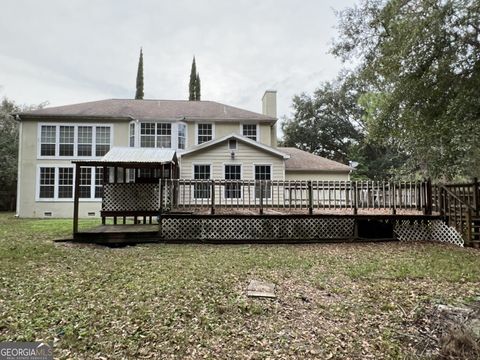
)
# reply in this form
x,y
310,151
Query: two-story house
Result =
x,y
211,140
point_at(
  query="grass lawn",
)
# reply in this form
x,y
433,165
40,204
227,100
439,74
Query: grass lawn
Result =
x,y
188,301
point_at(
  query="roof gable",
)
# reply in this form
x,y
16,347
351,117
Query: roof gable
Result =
x,y
241,138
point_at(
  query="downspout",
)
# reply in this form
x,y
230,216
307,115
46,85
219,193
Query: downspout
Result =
x,y
19,162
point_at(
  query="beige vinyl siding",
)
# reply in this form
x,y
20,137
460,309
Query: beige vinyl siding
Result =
x,y
227,128
27,205
219,155
316,175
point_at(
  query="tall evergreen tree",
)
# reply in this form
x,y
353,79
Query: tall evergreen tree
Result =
x,y
139,92
197,87
193,78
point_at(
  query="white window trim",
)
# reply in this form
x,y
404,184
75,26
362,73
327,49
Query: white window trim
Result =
x,y
56,185
258,129
135,135
193,198
241,178
271,179
75,140
196,130
262,164
176,137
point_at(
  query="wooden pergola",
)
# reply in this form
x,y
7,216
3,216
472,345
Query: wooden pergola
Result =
x,y
116,164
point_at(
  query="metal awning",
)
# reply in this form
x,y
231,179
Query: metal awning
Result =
x,y
133,157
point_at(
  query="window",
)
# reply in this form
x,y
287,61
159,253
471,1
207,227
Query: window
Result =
x,y
65,183
84,142
164,135
47,182
85,190
205,133
182,134
74,140
201,190
250,131
233,189
99,182
132,135
232,144
147,135
56,183
67,139
48,139
263,172
155,135
102,140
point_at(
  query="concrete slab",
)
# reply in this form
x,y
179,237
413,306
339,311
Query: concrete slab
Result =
x,y
261,289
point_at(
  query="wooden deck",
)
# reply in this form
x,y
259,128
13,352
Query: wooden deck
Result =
x,y
119,234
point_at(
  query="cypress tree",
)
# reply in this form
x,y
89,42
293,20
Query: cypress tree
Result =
x,y
193,78
197,87
139,92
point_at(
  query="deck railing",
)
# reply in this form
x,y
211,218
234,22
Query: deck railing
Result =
x,y
290,194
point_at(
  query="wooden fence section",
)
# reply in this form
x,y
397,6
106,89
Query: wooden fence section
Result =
x,y
276,194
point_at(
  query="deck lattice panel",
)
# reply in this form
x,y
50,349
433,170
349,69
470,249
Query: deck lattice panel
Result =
x,y
130,197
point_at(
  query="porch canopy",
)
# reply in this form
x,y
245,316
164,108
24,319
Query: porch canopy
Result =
x,y
130,181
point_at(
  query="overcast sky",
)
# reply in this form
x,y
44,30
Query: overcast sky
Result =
x,y
68,51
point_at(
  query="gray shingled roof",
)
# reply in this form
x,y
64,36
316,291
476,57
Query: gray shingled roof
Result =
x,y
150,109
304,161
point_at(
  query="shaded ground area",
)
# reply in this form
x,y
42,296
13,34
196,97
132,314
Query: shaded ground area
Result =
x,y
354,301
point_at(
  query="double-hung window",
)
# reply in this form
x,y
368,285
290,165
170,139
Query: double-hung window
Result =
x,y
47,183
85,189
164,135
233,188
102,140
147,135
56,182
182,135
48,140
74,140
85,140
263,175
155,135
67,140
132,135
204,133
201,189
65,182
250,131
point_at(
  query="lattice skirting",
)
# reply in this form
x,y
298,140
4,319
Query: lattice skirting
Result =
x,y
309,228
130,197
432,230
256,228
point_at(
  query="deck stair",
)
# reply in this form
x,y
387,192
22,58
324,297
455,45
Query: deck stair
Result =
x,y
461,206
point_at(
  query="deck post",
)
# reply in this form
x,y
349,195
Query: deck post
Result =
x,y
393,194
354,197
160,201
212,196
476,195
104,181
76,197
261,197
428,195
310,198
